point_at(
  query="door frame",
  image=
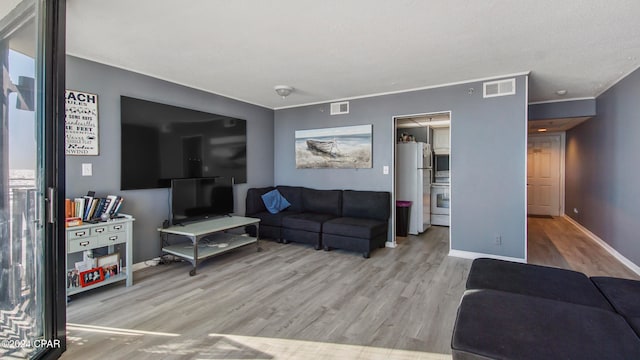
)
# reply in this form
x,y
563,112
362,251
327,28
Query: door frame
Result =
x,y
392,171
50,56
53,64
562,136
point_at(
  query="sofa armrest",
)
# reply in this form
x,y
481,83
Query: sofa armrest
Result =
x,y
254,203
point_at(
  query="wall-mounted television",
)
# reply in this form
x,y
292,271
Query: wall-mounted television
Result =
x,y
201,198
162,142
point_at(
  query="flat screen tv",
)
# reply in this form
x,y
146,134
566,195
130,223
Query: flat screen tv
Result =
x,y
201,198
163,142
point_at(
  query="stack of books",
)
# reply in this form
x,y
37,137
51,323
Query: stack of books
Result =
x,y
90,208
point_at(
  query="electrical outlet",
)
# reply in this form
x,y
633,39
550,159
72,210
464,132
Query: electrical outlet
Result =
x,y
499,240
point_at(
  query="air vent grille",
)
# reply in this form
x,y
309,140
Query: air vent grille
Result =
x,y
340,108
499,88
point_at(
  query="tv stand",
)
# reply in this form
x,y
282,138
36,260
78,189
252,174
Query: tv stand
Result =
x,y
219,241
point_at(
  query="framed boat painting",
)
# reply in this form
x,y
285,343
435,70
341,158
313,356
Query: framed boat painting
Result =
x,y
345,147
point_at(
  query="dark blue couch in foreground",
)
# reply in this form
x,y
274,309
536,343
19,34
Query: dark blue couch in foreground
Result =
x,y
340,219
520,311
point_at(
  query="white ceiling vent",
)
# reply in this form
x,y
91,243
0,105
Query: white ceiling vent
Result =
x,y
340,108
499,88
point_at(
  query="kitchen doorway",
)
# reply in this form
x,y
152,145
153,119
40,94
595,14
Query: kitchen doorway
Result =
x,y
421,173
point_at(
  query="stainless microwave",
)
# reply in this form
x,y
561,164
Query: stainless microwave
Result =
x,y
441,165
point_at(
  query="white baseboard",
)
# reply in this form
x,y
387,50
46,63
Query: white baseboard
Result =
x,y
141,265
390,244
475,255
626,262
150,263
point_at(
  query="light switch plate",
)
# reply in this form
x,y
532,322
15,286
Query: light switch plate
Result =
x,y
385,170
87,169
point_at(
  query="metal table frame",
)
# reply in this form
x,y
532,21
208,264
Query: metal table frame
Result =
x,y
196,231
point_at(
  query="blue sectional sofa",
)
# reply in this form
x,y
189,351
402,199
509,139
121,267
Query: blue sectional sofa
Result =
x,y
330,219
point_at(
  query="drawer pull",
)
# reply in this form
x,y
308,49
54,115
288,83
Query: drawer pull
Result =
x,y
84,243
113,238
99,230
81,233
117,227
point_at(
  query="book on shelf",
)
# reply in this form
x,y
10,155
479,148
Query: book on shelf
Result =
x,y
91,208
99,207
73,221
88,200
69,208
112,199
79,205
116,207
94,206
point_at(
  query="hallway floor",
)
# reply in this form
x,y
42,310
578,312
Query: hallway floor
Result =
x,y
557,242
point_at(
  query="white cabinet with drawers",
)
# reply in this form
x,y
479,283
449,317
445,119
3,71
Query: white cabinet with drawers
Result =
x,y
104,234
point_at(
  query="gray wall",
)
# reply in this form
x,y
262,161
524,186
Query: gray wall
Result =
x,y
150,207
564,109
488,157
602,172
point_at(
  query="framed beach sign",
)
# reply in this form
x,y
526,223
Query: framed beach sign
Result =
x,y
345,147
81,123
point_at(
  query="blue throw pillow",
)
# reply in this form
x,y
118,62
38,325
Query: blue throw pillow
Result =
x,y
274,201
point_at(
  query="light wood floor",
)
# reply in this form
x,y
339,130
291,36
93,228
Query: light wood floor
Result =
x,y
557,242
292,302
286,302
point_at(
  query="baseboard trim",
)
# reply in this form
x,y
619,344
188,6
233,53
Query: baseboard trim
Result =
x,y
626,262
475,255
390,244
139,266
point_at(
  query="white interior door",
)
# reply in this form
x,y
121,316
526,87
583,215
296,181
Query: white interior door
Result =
x,y
543,175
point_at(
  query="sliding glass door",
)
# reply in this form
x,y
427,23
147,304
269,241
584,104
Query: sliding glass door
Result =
x,y
32,315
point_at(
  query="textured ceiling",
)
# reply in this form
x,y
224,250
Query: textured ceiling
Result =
x,y
330,49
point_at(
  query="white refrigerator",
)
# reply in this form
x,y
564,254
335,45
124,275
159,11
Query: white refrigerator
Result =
x,y
413,183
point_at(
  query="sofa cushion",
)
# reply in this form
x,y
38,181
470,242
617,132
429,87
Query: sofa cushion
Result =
x,y
534,280
355,227
366,204
270,219
274,201
623,294
293,194
499,325
253,202
635,323
266,232
322,201
306,221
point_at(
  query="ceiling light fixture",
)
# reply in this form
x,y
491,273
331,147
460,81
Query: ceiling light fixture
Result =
x,y
542,130
561,92
283,90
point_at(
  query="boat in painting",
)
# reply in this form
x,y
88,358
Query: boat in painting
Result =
x,y
329,147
